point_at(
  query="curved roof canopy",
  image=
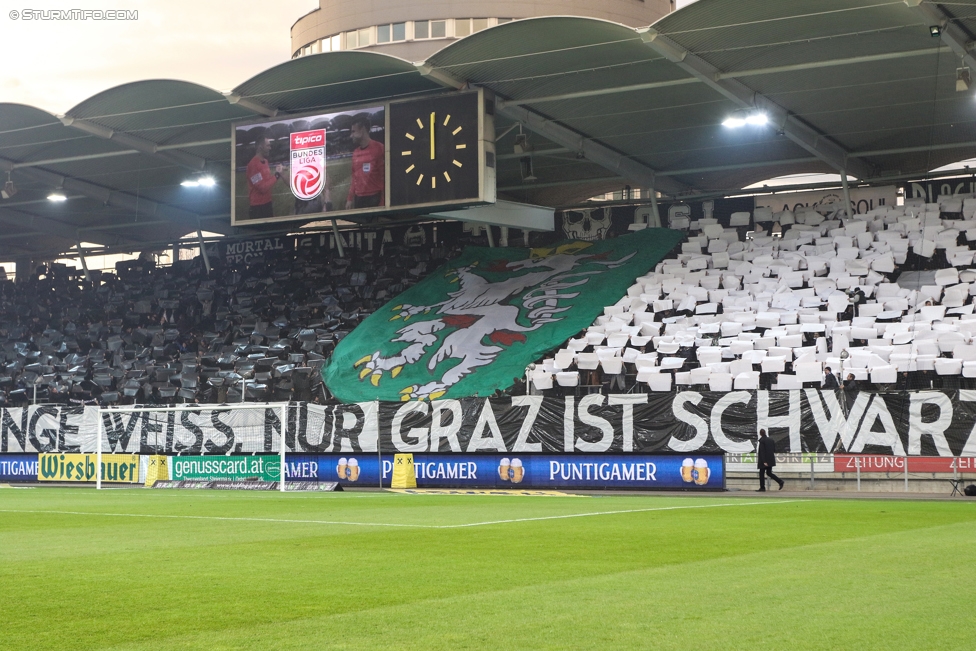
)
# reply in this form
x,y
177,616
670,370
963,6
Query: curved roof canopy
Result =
x,y
855,86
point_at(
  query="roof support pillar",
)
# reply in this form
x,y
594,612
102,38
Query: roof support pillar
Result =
x,y
847,193
638,173
252,105
790,125
181,158
950,33
654,209
338,238
203,248
84,263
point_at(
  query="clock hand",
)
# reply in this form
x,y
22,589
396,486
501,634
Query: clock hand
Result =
x,y
432,135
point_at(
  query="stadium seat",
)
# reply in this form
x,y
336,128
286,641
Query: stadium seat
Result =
x,y
567,378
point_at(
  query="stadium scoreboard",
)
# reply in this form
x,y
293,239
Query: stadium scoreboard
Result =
x,y
430,153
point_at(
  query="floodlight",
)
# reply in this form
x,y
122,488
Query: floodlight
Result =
x,y
522,145
56,197
199,181
9,189
964,79
734,122
741,118
935,31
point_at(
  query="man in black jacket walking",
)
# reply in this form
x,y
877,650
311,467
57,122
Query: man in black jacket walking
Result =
x,y
766,458
830,380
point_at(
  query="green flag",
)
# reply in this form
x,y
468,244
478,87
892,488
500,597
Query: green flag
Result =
x,y
472,326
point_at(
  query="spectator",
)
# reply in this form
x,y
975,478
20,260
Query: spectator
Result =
x,y
830,380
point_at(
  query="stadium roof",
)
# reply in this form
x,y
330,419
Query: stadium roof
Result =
x,y
854,85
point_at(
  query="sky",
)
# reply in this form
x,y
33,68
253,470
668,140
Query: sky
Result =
x,y
54,65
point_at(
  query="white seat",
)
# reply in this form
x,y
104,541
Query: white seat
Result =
x,y
738,347
884,375
948,276
700,375
786,382
612,366
731,328
659,382
595,338
576,345
969,369
542,380
564,359
790,341
773,364
926,362
949,340
948,366
747,380
739,219
672,362
809,371
667,347
740,366
646,360
709,355
587,361
567,378
720,382
964,352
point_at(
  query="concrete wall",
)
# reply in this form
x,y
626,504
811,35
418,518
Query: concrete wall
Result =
x,y
334,16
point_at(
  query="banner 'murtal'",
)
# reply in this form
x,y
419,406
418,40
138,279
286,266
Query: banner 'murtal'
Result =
x,y
474,325
307,163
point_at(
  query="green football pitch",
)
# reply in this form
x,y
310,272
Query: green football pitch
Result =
x,y
143,569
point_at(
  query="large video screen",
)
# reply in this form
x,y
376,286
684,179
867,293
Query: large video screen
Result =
x,y
288,167
340,163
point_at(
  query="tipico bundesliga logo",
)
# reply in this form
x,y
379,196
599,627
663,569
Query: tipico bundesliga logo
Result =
x,y
307,163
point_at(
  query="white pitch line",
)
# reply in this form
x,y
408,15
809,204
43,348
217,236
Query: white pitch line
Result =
x,y
389,524
218,517
586,515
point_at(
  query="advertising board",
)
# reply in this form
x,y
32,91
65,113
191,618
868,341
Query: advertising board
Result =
x,y
84,467
18,467
597,471
263,467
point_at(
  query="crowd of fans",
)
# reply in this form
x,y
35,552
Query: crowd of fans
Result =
x,y
880,301
164,335
780,301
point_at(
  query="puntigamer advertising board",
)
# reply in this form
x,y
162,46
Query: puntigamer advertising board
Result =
x,y
432,152
675,472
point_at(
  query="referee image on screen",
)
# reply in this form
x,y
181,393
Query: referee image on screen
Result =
x,y
368,167
260,181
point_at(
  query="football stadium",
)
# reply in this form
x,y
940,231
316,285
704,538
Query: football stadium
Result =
x,y
474,325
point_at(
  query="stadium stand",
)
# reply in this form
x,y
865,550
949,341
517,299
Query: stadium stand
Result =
x,y
767,302
772,307
162,335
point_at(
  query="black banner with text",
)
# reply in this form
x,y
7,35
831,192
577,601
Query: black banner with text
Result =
x,y
929,423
